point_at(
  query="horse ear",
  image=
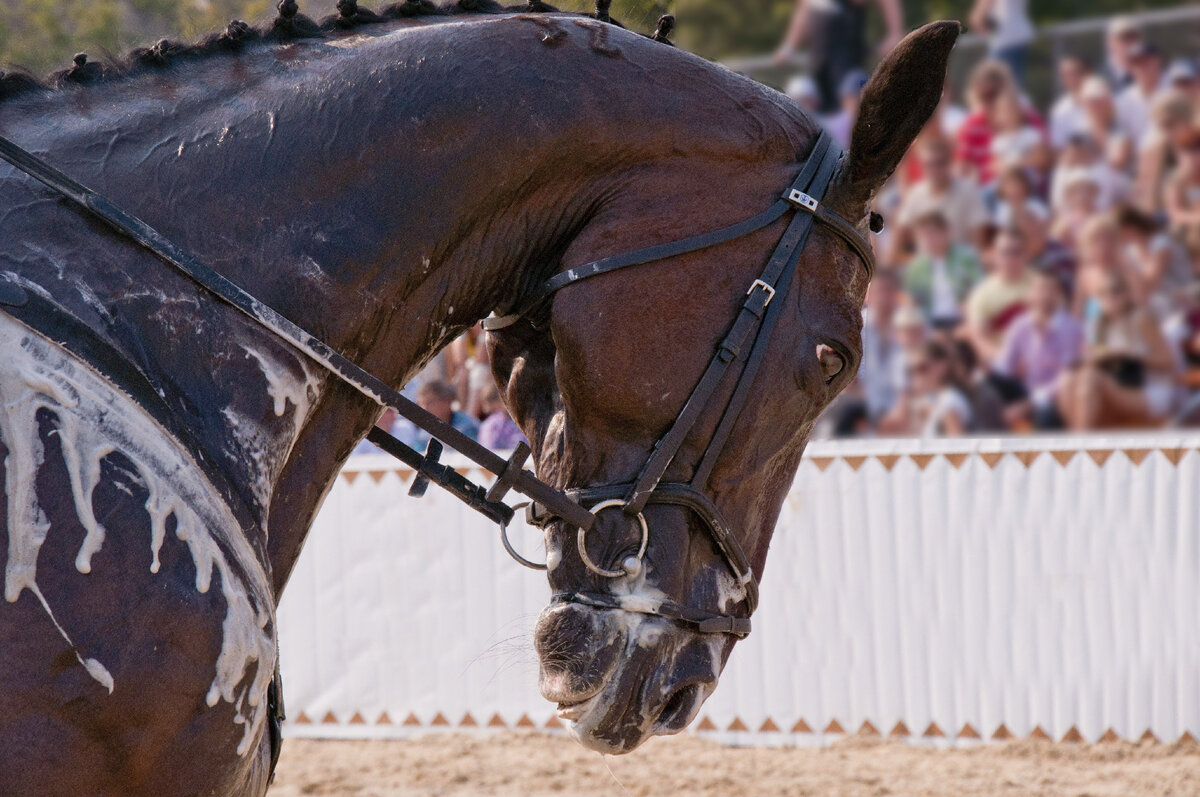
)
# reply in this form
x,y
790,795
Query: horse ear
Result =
x,y
896,104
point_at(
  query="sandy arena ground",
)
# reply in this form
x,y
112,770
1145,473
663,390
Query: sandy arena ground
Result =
x,y
535,765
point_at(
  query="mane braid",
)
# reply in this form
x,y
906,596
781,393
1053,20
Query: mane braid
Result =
x,y
289,25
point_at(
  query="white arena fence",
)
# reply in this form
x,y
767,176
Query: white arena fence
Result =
x,y
942,591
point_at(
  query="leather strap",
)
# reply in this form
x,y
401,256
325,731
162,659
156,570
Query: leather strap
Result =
x,y
705,623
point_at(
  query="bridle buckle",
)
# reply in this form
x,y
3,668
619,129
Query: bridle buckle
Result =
x,y
760,284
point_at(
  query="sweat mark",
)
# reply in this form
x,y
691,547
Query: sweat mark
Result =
x,y
599,37
552,33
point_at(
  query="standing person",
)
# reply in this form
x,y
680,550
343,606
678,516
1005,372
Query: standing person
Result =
x,y
1124,35
836,34
1009,31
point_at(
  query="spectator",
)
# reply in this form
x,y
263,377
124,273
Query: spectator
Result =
x,y
1100,256
803,90
1163,265
436,397
1015,140
1000,297
940,402
1184,77
1080,204
1123,37
836,34
1038,348
1103,125
990,91
1083,153
841,123
1183,194
1170,122
1016,204
958,200
1134,101
943,272
498,430
1066,116
1128,374
882,375
1009,30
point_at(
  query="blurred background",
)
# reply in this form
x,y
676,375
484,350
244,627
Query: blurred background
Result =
x,y
1040,268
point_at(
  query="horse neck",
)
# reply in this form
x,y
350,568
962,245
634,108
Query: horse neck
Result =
x,y
383,200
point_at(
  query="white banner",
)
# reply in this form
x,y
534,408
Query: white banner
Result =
x,y
944,590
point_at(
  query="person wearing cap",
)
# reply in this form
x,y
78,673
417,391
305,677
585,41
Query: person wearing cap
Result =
x,y
1009,31
1133,102
1066,115
1123,35
803,90
841,123
836,34
1183,76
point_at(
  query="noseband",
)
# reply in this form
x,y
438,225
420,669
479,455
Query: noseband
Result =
x,y
747,341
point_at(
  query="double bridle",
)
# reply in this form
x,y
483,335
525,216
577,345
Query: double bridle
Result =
x,y
746,340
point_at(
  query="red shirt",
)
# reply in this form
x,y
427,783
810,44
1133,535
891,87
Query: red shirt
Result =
x,y
974,146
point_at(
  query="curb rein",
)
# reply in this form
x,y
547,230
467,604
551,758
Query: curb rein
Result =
x,y
547,505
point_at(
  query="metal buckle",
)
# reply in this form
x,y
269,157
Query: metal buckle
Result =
x,y
802,200
760,284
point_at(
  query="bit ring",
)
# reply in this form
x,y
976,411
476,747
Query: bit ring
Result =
x,y
633,564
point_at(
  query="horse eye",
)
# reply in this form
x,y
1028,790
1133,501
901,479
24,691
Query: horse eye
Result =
x,y
832,363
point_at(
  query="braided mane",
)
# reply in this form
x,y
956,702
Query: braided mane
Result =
x,y
290,25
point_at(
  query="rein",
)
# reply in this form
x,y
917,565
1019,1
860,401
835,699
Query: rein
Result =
x,y
746,340
510,473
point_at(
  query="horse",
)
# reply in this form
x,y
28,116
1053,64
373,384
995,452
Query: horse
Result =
x,y
386,181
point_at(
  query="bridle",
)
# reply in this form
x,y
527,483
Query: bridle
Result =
x,y
751,328
746,340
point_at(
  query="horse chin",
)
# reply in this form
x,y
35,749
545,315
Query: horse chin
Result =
x,y
621,677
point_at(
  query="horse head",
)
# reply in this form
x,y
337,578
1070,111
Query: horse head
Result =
x,y
600,371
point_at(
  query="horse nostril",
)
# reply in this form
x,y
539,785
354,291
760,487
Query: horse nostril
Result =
x,y
677,711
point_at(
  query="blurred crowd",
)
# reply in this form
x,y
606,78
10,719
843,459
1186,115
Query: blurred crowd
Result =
x,y
1040,266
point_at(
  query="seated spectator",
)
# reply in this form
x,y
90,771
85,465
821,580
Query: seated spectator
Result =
x,y
803,89
942,274
1015,139
940,404
468,368
1000,298
1100,256
959,200
990,89
1134,101
1066,116
1038,348
1170,123
882,374
1017,205
1081,204
1163,265
1082,152
1183,195
1128,377
1104,126
841,123
1184,77
498,431
436,397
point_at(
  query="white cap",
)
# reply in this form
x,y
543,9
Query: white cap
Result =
x,y
802,87
1182,69
1095,88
